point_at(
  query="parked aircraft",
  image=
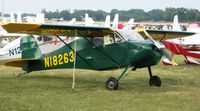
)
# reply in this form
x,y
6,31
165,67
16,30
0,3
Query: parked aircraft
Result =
x,y
98,48
188,46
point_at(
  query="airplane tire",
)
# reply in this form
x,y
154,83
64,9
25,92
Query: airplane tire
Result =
x,y
155,81
112,83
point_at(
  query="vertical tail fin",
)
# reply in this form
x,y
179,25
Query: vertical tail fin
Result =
x,y
115,21
107,21
176,26
88,20
19,18
12,17
30,48
130,22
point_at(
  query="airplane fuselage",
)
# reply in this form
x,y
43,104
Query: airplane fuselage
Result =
x,y
87,53
134,53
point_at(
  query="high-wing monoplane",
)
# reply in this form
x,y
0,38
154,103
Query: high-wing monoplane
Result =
x,y
97,48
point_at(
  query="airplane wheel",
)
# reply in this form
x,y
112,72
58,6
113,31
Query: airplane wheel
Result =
x,y
112,83
155,81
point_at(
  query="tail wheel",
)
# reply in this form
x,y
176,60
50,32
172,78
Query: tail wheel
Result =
x,y
112,83
155,81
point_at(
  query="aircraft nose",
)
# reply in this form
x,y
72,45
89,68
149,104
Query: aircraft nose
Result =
x,y
142,56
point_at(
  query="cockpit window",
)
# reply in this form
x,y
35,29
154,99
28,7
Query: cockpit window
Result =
x,y
107,39
113,38
130,35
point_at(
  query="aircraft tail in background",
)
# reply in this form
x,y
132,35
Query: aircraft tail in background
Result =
x,y
107,21
176,26
12,17
39,18
88,20
115,21
19,18
130,22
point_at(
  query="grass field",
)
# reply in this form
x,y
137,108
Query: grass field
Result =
x,y
51,90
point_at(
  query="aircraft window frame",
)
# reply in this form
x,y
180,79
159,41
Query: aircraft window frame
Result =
x,y
109,39
119,37
135,38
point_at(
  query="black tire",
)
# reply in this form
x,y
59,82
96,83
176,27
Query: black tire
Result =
x,y
155,81
112,83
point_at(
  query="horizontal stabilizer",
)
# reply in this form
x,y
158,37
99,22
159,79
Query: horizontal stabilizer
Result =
x,y
20,63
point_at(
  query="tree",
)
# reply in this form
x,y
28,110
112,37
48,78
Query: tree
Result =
x,y
169,14
155,15
185,15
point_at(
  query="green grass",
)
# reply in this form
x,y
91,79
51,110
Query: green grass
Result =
x,y
51,90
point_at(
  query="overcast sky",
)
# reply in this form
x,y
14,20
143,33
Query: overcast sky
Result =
x,y
34,6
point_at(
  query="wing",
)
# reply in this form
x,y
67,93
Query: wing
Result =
x,y
61,30
160,34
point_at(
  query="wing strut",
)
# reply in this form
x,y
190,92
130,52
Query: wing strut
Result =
x,y
74,51
164,35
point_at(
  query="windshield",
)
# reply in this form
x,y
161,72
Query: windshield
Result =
x,y
130,35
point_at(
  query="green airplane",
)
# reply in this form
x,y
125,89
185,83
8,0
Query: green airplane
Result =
x,y
93,48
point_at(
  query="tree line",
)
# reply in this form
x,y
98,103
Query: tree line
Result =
x,y
154,15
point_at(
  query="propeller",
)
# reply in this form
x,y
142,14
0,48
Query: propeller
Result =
x,y
161,48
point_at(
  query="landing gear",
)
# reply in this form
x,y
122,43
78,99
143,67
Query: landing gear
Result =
x,y
112,83
154,80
